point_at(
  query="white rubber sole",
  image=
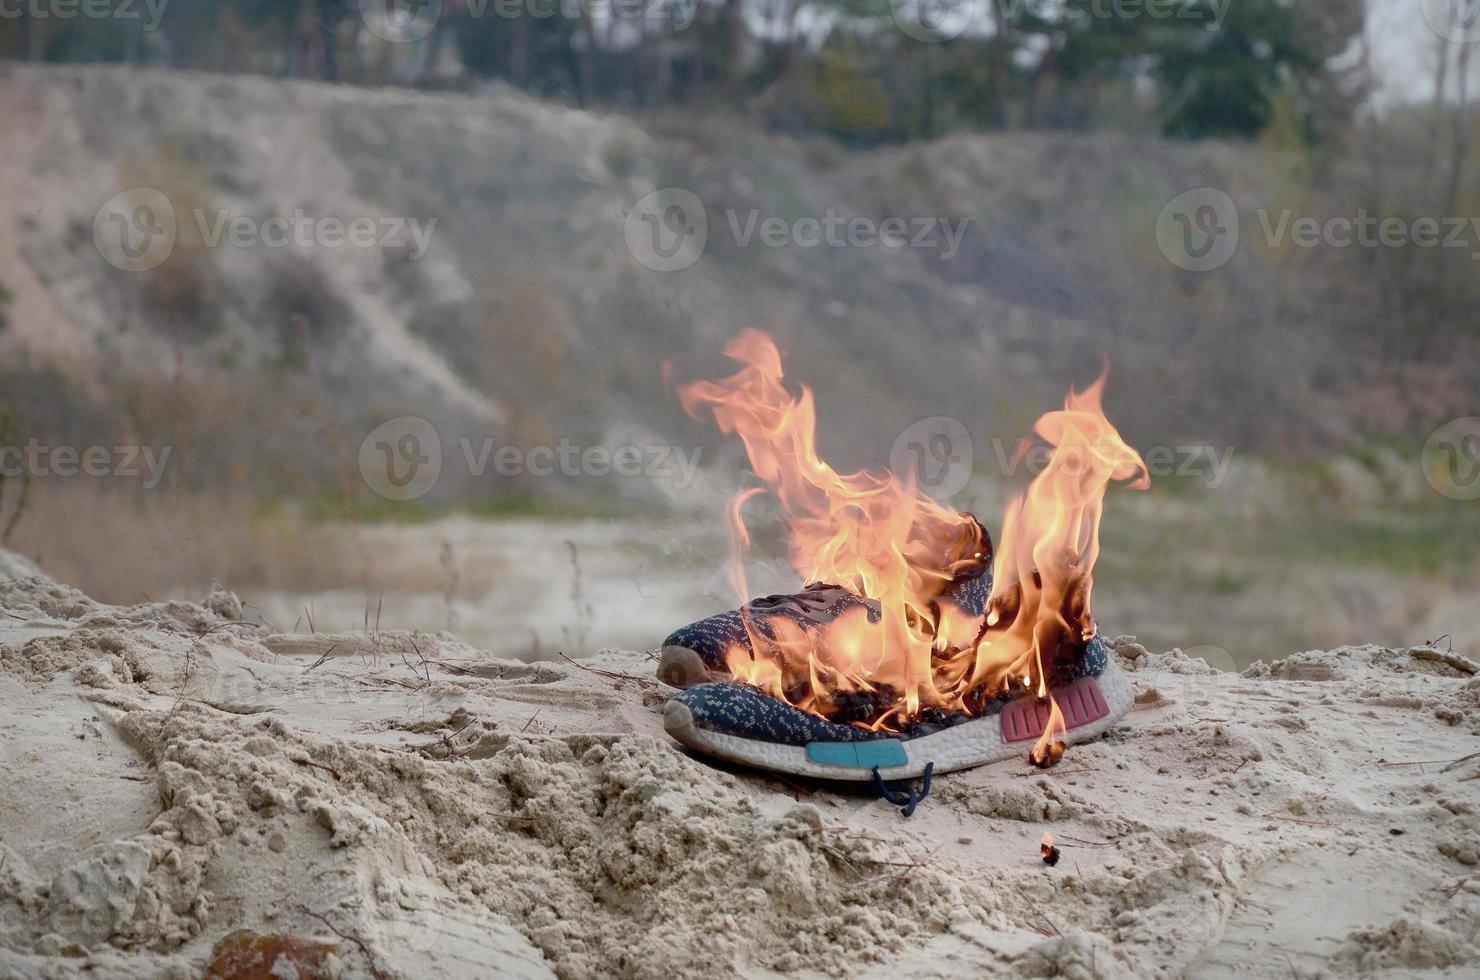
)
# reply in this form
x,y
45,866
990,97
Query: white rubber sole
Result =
x,y
683,668
974,743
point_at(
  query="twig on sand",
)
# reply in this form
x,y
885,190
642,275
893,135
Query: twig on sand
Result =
x,y
904,867
1309,823
395,682
1463,758
1313,798
1448,764
1085,843
425,672
420,656
218,627
322,658
374,631
180,698
835,852
375,970
452,668
1054,771
318,765
446,742
1049,922
614,675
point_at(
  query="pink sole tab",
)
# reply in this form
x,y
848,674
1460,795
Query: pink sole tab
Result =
x,y
1081,702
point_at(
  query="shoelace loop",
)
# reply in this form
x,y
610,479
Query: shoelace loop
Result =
x,y
903,795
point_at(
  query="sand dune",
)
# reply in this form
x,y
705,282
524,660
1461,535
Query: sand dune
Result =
x,y
405,805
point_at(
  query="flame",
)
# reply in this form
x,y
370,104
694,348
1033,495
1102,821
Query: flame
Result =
x,y
1047,850
1049,748
875,535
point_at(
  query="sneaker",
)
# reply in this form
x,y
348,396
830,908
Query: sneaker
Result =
x,y
742,724
696,653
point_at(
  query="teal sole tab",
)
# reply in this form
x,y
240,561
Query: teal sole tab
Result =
x,y
883,753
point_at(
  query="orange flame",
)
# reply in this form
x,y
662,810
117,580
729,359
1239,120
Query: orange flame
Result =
x,y
1049,748
875,535
1047,850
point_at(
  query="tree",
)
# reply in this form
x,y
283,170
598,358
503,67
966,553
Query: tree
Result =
x,y
1219,81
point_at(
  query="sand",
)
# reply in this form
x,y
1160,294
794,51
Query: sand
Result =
x,y
383,804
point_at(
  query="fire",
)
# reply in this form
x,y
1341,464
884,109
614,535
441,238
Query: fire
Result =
x,y
1049,748
1047,850
877,536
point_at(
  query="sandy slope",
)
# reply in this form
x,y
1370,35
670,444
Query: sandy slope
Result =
x,y
169,774
34,321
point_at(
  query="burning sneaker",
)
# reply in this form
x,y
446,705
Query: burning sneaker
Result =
x,y
698,653
741,723
918,660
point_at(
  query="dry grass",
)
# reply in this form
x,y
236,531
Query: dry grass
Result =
x,y
126,544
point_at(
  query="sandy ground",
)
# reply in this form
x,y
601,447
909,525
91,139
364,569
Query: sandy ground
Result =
x,y
395,804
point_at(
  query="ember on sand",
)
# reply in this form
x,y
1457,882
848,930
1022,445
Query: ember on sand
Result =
x,y
1048,851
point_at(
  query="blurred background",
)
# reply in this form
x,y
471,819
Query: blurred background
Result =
x,y
360,309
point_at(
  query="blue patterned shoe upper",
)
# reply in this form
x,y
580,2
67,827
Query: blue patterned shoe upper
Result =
x,y
812,608
739,709
819,603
